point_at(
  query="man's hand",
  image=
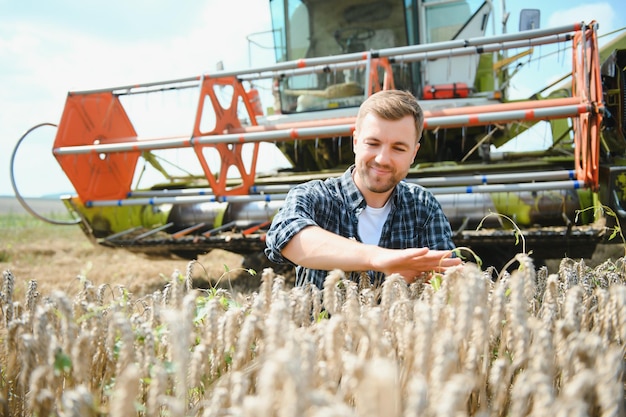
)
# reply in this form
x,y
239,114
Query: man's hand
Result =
x,y
412,263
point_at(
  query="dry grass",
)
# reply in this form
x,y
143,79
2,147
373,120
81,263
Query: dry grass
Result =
x,y
58,256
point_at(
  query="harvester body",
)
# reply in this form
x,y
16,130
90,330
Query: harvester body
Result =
x,y
224,174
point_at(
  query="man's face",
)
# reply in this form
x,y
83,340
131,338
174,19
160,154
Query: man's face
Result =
x,y
384,151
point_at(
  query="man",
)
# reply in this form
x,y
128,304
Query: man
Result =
x,y
368,219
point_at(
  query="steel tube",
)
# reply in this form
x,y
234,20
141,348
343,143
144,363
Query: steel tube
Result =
x,y
480,49
404,54
468,189
506,116
455,180
318,63
426,182
500,107
135,144
155,201
497,188
518,177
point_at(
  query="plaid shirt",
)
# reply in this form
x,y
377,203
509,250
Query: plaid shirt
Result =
x,y
416,220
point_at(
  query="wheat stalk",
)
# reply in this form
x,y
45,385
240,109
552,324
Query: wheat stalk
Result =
x,y
525,344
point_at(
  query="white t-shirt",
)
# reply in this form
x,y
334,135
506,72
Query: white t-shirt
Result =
x,y
371,222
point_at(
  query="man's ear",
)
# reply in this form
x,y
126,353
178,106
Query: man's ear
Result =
x,y
417,148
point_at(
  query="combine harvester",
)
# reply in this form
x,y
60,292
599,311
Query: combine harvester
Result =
x,y
207,189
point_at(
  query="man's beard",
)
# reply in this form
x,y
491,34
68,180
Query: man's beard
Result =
x,y
374,183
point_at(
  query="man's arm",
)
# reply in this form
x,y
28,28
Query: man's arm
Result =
x,y
316,248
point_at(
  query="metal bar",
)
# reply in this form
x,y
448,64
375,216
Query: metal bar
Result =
x,y
507,116
455,180
271,70
271,135
153,231
501,107
132,144
123,233
220,228
131,87
253,229
188,230
426,182
171,193
484,40
184,200
498,188
518,177
463,189
179,141
480,49
157,89
413,56
316,69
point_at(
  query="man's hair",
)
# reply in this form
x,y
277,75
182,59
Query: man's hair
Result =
x,y
393,105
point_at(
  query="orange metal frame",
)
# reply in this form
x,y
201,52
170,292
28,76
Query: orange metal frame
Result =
x,y
388,82
97,118
100,118
226,118
587,85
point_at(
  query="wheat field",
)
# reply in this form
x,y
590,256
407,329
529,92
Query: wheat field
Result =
x,y
467,343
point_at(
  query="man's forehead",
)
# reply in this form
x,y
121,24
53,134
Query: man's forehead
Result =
x,y
376,123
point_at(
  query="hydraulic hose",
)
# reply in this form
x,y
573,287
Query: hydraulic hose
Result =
x,y
19,197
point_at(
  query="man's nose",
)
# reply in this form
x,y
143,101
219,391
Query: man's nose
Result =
x,y
383,156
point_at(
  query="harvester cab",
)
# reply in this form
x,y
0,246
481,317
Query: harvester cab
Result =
x,y
146,185
319,29
359,34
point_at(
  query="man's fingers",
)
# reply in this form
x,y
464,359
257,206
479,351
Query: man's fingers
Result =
x,y
437,256
421,251
439,261
441,253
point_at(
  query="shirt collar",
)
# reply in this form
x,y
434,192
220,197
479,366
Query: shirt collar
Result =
x,y
354,198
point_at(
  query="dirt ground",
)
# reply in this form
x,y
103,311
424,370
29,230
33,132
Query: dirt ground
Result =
x,y
58,257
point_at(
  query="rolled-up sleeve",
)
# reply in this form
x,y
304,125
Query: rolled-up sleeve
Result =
x,y
439,232
297,212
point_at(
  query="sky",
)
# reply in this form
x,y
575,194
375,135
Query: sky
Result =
x,y
48,48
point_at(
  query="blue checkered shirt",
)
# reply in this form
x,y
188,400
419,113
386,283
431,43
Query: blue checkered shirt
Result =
x,y
416,220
